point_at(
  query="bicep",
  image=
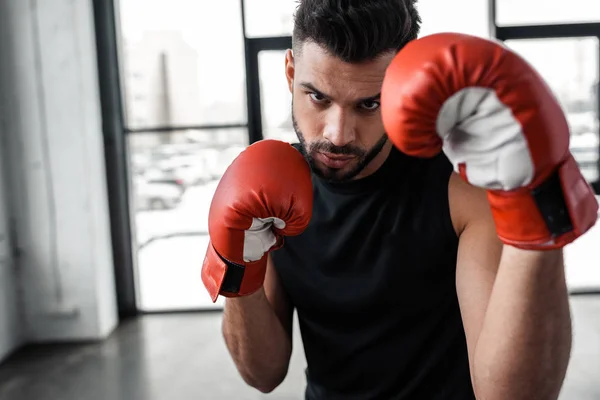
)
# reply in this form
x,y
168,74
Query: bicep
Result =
x,y
277,297
478,259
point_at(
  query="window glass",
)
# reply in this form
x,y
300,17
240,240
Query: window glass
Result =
x,y
173,179
269,17
535,12
464,16
183,62
275,97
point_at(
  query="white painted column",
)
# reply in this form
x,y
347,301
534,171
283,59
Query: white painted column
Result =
x,y
50,104
11,328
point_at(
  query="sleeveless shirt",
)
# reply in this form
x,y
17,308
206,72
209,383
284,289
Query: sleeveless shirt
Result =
x,y
372,279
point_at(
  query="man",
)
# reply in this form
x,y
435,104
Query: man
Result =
x,y
407,284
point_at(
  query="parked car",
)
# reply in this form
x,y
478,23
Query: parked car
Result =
x,y
155,196
181,169
166,177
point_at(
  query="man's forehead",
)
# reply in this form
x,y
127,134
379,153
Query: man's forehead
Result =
x,y
342,80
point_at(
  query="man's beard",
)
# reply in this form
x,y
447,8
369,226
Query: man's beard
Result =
x,y
363,157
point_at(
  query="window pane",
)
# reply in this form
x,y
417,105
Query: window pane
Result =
x,y
269,17
531,12
275,97
173,178
183,62
570,66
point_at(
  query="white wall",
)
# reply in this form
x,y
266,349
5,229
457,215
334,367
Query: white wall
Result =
x,y
50,102
11,335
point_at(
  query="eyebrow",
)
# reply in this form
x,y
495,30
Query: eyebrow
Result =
x,y
312,88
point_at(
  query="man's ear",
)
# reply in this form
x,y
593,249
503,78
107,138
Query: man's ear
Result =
x,y
289,69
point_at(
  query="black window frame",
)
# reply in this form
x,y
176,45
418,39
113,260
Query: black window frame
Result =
x,y
116,131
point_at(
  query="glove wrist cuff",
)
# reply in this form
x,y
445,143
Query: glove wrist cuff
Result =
x,y
549,216
228,279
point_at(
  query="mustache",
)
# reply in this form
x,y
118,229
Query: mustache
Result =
x,y
328,147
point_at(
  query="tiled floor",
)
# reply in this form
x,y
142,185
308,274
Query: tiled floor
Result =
x,y
168,357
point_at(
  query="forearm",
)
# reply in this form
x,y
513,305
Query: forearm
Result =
x,y
524,346
257,341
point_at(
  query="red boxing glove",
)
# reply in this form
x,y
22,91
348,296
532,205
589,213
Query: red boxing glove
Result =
x,y
264,195
500,126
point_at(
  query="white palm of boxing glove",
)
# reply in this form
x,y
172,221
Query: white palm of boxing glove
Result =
x,y
260,238
480,132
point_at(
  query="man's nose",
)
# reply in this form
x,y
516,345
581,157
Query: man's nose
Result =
x,y
339,127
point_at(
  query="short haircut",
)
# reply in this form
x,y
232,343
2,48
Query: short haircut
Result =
x,y
356,30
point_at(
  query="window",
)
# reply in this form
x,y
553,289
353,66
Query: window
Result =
x,y
173,178
183,69
535,12
188,56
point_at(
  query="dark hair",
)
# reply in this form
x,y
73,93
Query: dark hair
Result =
x,y
356,30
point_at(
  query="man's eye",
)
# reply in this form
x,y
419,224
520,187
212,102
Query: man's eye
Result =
x,y
317,97
370,105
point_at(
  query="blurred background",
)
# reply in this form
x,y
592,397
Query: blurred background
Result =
x,y
118,118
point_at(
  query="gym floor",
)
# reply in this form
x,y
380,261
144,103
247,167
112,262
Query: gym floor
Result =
x,y
182,356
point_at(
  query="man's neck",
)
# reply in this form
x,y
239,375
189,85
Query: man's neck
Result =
x,y
377,162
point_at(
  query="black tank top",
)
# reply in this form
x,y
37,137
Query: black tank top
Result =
x,y
373,283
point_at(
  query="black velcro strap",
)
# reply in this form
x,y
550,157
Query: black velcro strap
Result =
x,y
551,202
233,277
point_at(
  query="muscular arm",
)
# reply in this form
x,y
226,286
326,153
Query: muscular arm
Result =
x,y
258,333
514,305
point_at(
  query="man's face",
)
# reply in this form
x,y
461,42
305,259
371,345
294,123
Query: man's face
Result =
x,y
335,111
